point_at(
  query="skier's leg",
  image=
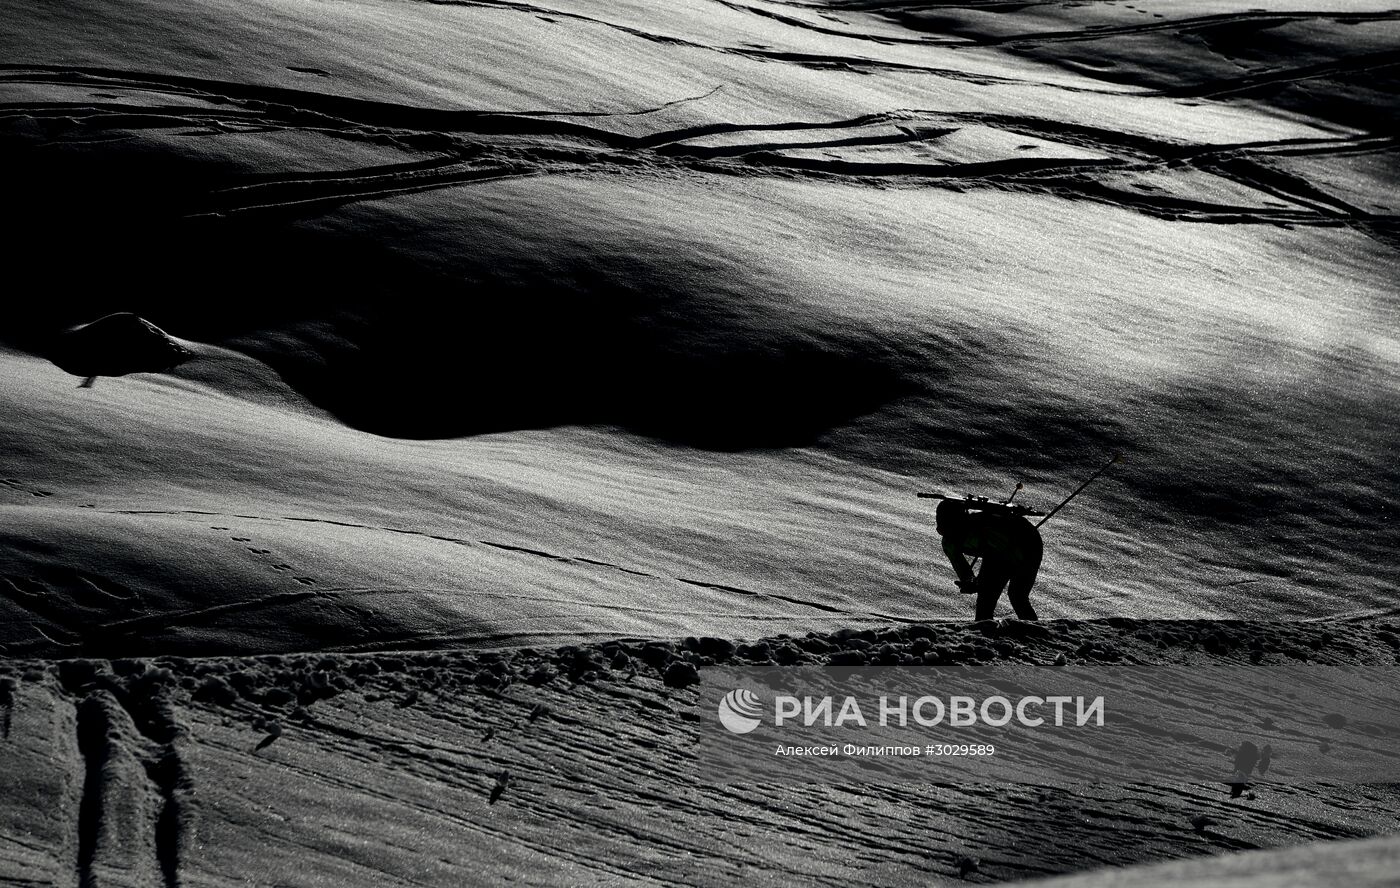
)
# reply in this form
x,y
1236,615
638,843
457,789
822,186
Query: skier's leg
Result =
x,y
989,585
1018,592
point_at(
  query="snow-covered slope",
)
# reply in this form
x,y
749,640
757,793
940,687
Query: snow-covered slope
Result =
x,y
1361,862
381,769
525,324
725,284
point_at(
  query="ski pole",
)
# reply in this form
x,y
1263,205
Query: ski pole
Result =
x,y
1080,488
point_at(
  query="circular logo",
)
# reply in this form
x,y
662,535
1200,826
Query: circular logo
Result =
x,y
739,711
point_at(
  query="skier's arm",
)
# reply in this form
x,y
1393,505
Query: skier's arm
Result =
x,y
959,561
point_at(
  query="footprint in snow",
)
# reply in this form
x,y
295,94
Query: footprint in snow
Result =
x,y
502,781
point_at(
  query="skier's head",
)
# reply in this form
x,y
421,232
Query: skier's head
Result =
x,y
949,516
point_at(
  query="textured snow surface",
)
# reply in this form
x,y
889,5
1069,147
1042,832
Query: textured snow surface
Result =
x,y
575,766
527,324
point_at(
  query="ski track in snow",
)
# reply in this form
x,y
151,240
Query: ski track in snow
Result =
x,y
78,632
482,146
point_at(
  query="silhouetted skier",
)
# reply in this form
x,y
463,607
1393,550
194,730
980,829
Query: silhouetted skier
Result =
x,y
1010,549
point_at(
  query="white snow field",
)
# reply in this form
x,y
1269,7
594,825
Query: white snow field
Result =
x,y
519,327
